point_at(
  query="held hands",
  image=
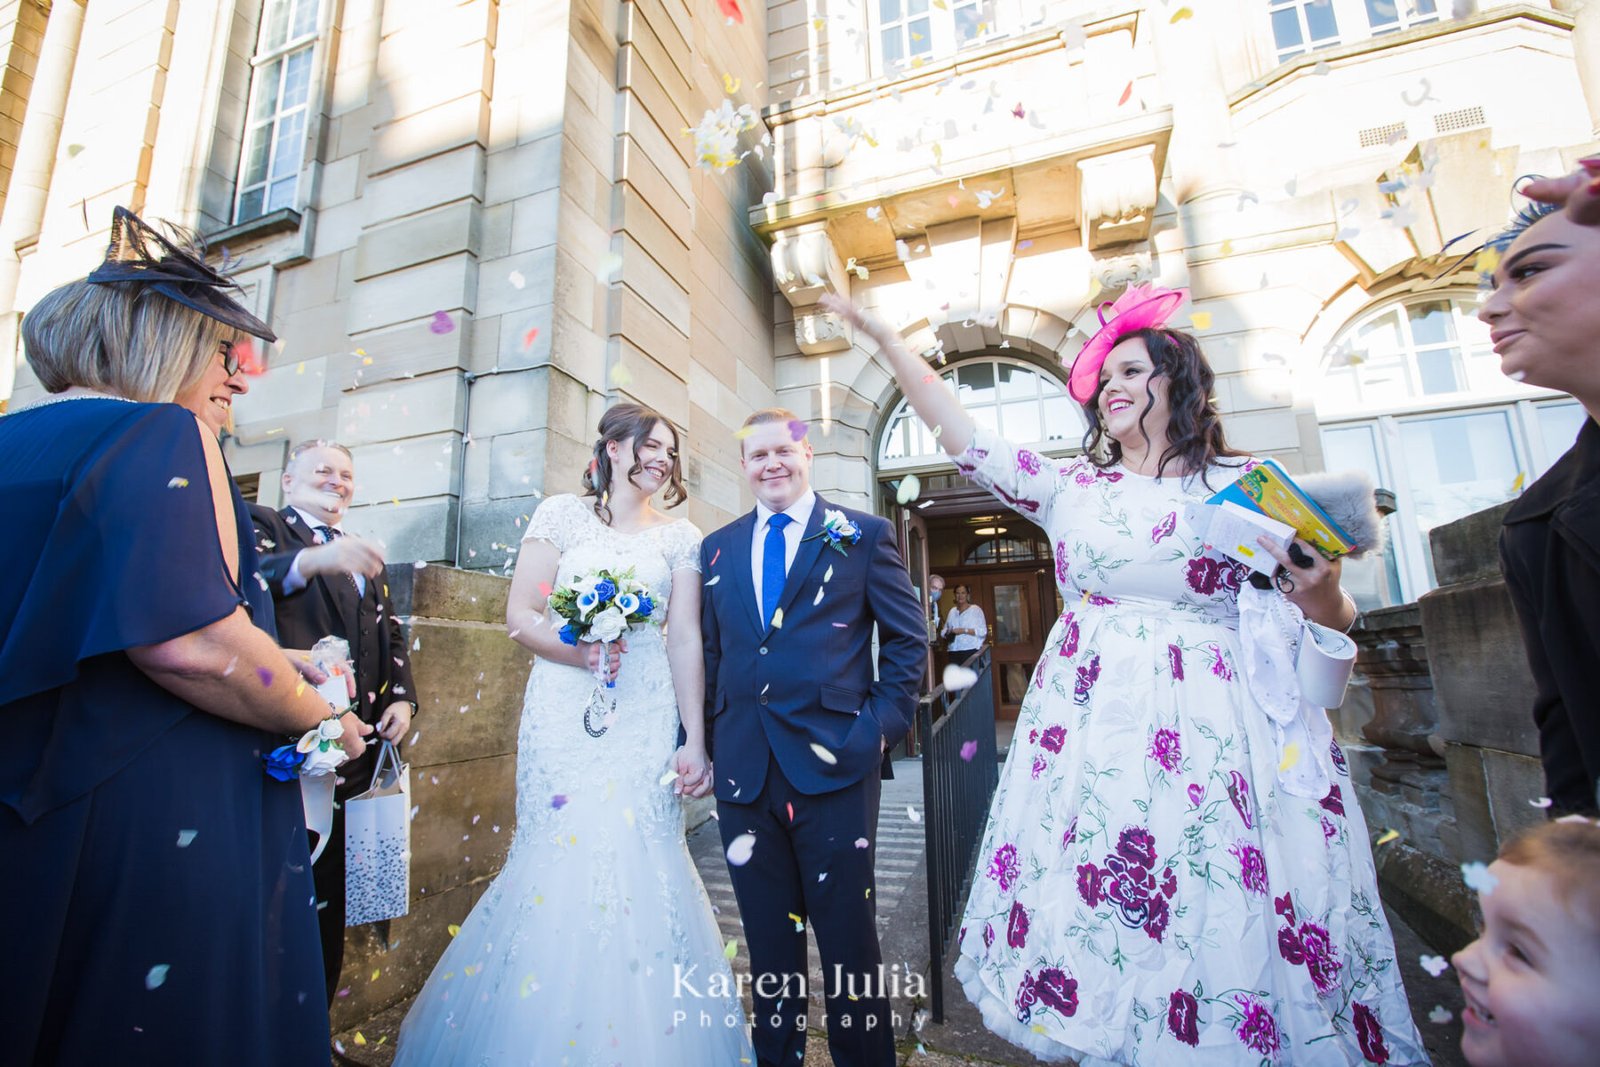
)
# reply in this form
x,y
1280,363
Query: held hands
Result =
x,y
595,649
396,720
345,555
694,771
1310,582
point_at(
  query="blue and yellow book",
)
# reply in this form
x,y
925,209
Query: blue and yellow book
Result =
x,y
1268,489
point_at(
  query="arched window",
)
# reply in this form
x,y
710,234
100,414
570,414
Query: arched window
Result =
x,y
1018,401
1412,394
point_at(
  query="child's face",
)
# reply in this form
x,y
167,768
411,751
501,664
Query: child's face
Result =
x,y
1530,976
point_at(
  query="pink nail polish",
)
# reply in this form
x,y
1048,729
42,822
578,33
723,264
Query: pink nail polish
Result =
x,y
1590,164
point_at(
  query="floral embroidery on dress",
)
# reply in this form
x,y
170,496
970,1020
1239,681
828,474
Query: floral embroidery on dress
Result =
x,y
1128,881
1163,529
1166,749
1183,1017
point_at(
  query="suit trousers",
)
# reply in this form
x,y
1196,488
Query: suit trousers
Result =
x,y
328,876
808,865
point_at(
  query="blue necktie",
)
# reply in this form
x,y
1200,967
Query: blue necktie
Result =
x,y
773,569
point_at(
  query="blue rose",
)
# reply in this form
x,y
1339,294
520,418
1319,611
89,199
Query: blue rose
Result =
x,y
605,590
647,606
569,635
283,762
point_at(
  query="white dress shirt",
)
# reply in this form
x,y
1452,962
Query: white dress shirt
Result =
x,y
971,618
294,581
800,512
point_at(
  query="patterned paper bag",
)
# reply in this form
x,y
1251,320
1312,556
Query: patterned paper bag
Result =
x,y
377,843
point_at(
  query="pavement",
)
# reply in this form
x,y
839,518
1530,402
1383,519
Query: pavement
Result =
x,y
961,1038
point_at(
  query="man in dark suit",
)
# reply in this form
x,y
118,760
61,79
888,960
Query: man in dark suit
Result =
x,y
799,719
327,582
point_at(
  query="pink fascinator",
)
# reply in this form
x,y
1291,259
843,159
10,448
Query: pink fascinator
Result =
x,y
1140,307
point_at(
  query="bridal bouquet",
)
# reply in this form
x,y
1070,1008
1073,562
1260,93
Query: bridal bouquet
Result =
x,y
601,607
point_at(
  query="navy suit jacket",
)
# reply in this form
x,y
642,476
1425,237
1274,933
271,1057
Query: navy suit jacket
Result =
x,y
803,693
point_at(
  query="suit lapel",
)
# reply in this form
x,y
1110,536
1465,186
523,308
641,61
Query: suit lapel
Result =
x,y
805,558
738,563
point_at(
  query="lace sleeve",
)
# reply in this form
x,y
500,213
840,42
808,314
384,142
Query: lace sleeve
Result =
x,y
1019,477
553,521
682,548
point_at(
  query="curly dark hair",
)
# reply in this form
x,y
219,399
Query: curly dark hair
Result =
x,y
1194,427
623,422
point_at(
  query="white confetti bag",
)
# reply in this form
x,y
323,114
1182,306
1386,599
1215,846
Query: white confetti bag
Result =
x,y
377,844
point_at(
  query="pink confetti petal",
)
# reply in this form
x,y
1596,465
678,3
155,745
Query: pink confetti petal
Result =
x,y
968,750
442,323
265,676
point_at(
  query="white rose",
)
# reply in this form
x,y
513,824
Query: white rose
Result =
x,y
608,625
323,760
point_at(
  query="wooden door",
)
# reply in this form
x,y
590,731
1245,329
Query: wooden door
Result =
x,y
1015,613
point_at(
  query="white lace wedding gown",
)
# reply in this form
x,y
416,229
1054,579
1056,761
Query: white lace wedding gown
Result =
x,y
574,953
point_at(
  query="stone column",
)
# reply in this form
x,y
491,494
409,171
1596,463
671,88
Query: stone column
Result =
x,y
31,171
1586,53
1187,55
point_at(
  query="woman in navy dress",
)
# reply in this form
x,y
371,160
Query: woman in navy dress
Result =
x,y
156,884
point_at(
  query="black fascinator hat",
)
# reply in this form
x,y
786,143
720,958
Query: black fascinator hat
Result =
x,y
139,254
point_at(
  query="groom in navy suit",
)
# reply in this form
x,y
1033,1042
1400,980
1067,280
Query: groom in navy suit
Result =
x,y
799,717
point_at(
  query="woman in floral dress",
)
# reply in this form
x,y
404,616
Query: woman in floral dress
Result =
x,y
1149,889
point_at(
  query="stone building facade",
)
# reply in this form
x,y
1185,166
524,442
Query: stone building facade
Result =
x,y
474,224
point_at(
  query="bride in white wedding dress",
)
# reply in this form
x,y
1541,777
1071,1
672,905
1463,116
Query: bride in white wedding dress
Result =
x,y
596,943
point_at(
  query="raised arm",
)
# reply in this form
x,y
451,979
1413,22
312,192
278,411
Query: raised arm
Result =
x,y
927,393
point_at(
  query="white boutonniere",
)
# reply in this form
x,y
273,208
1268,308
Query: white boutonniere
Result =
x,y
838,532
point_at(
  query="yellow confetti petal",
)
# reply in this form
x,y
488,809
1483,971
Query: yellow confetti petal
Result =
x,y
730,83
375,972
529,985
360,1040
799,923
777,619
1488,259
1201,320
454,929
1227,248
1389,835
731,949
1516,483
1181,14
667,778
621,376
1291,756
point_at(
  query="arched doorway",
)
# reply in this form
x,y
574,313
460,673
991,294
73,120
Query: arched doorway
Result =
x,y
961,532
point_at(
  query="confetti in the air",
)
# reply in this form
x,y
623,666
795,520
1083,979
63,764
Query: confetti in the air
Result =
x,y
265,676
185,837
1541,802
1181,14
1200,319
178,483
1435,965
777,619
958,678
516,279
1478,878
730,11
1291,756
667,778
1127,93
609,266
910,488
731,950
528,338
824,755
1388,836
913,814
558,801
798,429
968,750
442,322
156,975
741,848
621,377
874,214
1439,1015
716,138
862,842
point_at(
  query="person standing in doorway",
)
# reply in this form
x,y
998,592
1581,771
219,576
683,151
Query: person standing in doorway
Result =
x,y
965,625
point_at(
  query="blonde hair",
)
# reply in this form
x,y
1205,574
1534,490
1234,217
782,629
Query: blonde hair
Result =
x,y
764,416
1569,851
122,338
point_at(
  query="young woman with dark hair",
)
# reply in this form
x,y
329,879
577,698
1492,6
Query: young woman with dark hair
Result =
x,y
650,441
1169,874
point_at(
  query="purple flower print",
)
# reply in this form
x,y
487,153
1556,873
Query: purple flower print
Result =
x,y
1083,473
1053,738
1183,1017
1027,462
1232,574
1017,926
1033,737
1219,666
1334,801
1166,750
1169,883
1203,574
1098,601
1338,758
1089,884
1155,927
1070,838
1110,476
1258,1029
988,935
1164,528
1039,766
1137,846
1252,867
1004,868
1061,563
1239,793
1087,676
1175,658
1369,1033
1069,643
1322,959
1027,997
1197,793
1038,674
1057,992
1329,831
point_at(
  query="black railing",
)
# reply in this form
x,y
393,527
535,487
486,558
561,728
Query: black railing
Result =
x,y
959,772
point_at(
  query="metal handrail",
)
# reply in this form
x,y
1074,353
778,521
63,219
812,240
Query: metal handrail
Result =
x,y
956,790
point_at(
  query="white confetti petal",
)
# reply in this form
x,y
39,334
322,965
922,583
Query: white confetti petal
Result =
x,y
1478,878
957,678
824,755
740,850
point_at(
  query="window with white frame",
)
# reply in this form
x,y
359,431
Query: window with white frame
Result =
x,y
1017,401
1412,394
911,32
1301,26
280,96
